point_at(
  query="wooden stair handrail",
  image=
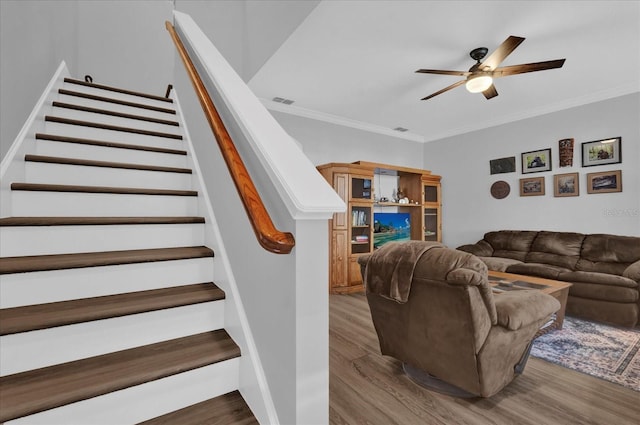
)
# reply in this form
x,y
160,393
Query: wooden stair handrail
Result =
x,y
268,236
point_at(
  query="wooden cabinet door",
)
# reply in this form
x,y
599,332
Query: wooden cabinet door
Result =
x,y
341,186
339,246
355,276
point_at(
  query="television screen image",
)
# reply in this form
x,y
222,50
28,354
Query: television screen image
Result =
x,y
389,227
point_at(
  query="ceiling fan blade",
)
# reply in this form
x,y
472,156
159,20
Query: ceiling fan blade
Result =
x,y
443,72
452,86
527,67
490,92
503,50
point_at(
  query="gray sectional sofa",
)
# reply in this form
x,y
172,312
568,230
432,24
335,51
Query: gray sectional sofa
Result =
x,y
604,269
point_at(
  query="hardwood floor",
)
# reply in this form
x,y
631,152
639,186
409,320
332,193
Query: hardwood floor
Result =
x,y
367,388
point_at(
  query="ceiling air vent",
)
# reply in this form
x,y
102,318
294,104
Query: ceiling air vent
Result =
x,y
401,129
283,100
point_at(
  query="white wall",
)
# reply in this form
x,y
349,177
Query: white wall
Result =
x,y
325,142
117,42
35,36
469,210
247,33
126,44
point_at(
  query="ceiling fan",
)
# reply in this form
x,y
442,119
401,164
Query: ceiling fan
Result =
x,y
480,76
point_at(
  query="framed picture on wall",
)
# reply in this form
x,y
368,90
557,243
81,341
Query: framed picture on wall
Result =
x,y
502,165
532,186
601,152
566,185
604,182
536,161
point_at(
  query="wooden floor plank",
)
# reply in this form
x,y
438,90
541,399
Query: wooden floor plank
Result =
x,y
46,388
227,409
117,90
368,388
96,221
35,263
107,144
49,315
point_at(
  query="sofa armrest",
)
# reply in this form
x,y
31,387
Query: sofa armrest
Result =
x,y
520,308
633,272
479,249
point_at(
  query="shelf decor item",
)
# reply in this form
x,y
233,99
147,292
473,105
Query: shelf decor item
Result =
x,y
566,185
536,161
601,152
532,186
565,146
604,182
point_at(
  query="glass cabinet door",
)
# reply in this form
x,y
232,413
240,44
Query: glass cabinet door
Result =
x,y
360,229
361,188
431,228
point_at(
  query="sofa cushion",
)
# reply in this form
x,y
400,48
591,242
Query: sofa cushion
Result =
x,y
499,264
518,309
608,253
598,278
546,271
633,271
595,291
513,244
556,248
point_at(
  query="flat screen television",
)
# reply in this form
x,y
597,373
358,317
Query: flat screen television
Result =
x,y
389,227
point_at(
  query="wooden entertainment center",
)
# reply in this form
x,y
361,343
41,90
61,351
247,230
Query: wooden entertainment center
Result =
x,y
415,197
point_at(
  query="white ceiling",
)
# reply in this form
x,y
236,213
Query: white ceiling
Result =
x,y
356,60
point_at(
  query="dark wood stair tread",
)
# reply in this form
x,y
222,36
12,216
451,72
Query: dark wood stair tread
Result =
x,y
32,263
65,105
69,121
49,315
117,90
95,221
116,101
104,164
42,389
227,409
103,143
41,187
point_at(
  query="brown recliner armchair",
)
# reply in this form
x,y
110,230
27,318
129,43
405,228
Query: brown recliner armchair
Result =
x,y
433,309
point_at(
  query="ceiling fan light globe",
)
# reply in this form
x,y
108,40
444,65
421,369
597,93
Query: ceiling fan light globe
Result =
x,y
479,83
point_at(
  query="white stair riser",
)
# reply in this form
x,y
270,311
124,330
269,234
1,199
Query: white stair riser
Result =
x,y
111,135
112,120
151,399
42,240
75,100
23,351
21,289
51,173
115,95
80,151
39,204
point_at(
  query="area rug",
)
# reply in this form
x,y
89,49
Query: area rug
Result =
x,y
607,352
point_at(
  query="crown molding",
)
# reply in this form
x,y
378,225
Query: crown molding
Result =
x,y
335,119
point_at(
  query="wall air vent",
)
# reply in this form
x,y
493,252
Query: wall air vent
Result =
x,y
283,100
401,129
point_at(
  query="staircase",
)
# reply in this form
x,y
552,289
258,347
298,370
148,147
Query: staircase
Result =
x,y
108,310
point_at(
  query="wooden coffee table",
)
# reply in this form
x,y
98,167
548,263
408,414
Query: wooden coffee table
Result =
x,y
555,288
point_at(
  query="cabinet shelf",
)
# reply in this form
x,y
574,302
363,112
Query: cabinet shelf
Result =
x,y
395,204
